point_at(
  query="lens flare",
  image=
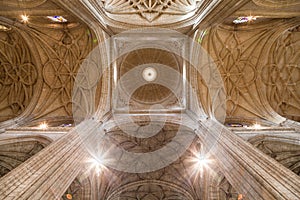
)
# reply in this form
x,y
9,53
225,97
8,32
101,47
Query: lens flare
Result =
x,y
43,125
24,18
256,126
201,162
96,165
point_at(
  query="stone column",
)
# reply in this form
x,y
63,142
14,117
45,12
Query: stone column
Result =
x,y
48,174
249,171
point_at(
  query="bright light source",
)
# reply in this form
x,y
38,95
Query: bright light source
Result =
x,y
69,196
256,126
251,18
96,165
24,18
43,125
200,162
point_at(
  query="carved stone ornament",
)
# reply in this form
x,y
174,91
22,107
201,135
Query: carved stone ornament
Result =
x,y
149,10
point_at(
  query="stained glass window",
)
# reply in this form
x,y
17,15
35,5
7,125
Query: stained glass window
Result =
x,y
59,19
241,20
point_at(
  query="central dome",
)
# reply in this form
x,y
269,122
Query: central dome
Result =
x,y
150,92
149,74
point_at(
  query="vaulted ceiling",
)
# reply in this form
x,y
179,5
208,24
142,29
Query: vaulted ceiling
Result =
x,y
42,56
258,62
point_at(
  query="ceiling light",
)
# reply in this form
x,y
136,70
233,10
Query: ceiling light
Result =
x,y
256,126
201,162
96,165
69,196
43,125
24,18
57,18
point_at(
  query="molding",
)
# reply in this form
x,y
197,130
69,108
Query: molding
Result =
x,y
276,3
